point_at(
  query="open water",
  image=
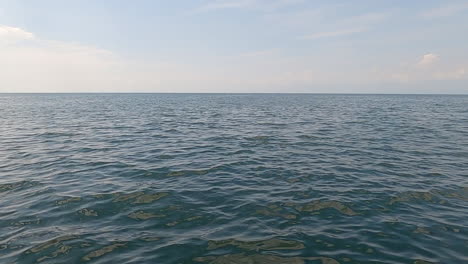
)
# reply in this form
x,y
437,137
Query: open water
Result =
x,y
233,178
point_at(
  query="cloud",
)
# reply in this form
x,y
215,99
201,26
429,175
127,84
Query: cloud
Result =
x,y
37,65
260,53
284,3
368,18
420,71
31,64
445,11
10,35
264,5
355,24
333,34
225,4
456,74
40,65
55,66
428,59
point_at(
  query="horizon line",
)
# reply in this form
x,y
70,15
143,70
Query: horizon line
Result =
x,y
278,93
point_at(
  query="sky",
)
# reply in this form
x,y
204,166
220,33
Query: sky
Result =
x,y
273,46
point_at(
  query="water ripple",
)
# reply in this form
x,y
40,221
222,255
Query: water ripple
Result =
x,y
222,179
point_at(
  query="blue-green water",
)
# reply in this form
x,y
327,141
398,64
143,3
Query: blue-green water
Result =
x,y
224,179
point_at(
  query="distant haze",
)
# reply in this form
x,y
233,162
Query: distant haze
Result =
x,y
306,46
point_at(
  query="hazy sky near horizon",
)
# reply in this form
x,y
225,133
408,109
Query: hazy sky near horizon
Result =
x,y
362,46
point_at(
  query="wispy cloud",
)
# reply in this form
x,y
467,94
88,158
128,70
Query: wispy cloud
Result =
x,y
429,67
284,3
260,53
13,34
29,63
456,74
445,11
242,4
428,59
365,19
225,4
334,34
349,26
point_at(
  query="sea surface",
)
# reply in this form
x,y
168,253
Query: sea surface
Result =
x,y
233,178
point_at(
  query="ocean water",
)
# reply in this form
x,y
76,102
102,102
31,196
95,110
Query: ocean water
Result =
x,y
226,179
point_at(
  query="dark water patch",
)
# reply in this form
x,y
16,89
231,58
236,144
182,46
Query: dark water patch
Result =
x,y
270,244
138,197
62,250
88,212
141,215
68,200
50,134
275,210
103,251
414,197
317,206
419,261
263,259
150,238
50,243
35,221
17,186
185,220
187,172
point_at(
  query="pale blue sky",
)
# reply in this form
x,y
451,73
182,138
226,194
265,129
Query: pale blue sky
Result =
x,y
364,46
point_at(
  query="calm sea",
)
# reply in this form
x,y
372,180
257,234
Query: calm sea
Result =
x,y
233,179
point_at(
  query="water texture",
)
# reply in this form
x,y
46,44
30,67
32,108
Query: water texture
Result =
x,y
225,179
